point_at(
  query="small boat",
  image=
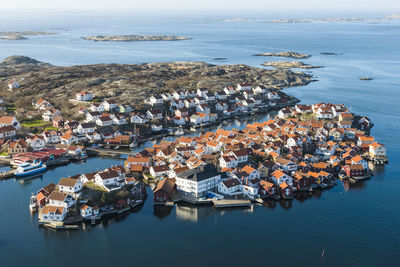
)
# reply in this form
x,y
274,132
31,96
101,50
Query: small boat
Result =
x,y
192,129
179,132
32,204
30,169
366,78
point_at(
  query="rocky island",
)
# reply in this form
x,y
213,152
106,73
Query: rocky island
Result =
x,y
134,38
129,83
283,54
289,65
20,35
14,37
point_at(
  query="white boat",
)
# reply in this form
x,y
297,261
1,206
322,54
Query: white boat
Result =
x,y
30,169
133,144
193,129
179,132
32,204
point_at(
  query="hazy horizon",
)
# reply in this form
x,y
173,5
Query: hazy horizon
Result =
x,y
354,6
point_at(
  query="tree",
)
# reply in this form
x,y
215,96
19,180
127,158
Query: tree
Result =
x,y
103,198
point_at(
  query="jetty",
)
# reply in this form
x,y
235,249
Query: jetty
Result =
x,y
231,203
6,174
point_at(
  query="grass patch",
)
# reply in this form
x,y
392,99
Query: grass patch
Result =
x,y
35,123
50,128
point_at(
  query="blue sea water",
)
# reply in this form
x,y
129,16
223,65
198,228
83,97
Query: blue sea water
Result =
x,y
356,226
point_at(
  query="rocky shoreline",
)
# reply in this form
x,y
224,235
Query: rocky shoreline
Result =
x,y
289,65
129,83
287,54
14,37
21,35
134,38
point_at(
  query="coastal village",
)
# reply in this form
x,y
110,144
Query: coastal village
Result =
x,y
305,148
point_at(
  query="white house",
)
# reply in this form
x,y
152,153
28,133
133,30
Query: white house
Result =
x,y
228,162
84,96
51,137
107,178
118,119
241,155
9,120
36,142
156,100
96,107
229,90
243,87
13,85
202,92
273,96
138,119
68,139
159,170
154,114
92,116
59,199
70,186
229,186
195,119
53,213
377,151
198,181
88,211
7,131
280,177
109,105
104,121
86,128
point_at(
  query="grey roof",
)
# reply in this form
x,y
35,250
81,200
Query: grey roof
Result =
x,y
199,174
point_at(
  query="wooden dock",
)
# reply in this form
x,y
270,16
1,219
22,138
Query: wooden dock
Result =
x,y
231,203
7,175
109,152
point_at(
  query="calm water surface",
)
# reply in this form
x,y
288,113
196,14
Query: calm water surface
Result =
x,y
356,226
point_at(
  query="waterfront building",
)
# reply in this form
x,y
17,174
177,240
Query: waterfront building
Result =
x,y
198,181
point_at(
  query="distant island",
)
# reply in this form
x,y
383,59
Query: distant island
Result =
x,y
21,35
289,65
309,20
238,19
335,19
283,54
14,37
134,38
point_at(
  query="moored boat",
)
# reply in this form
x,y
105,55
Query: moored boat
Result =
x,y
30,169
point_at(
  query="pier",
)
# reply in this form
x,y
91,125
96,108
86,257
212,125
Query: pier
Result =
x,y
231,203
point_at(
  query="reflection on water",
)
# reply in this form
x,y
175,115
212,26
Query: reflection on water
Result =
x,y
193,213
360,185
161,211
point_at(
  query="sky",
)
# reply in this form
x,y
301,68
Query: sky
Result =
x,y
346,5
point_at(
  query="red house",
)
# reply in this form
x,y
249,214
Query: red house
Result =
x,y
354,170
302,181
286,190
164,190
267,188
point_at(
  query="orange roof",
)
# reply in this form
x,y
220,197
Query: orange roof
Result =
x,y
136,168
6,119
283,185
138,160
278,174
356,159
248,169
